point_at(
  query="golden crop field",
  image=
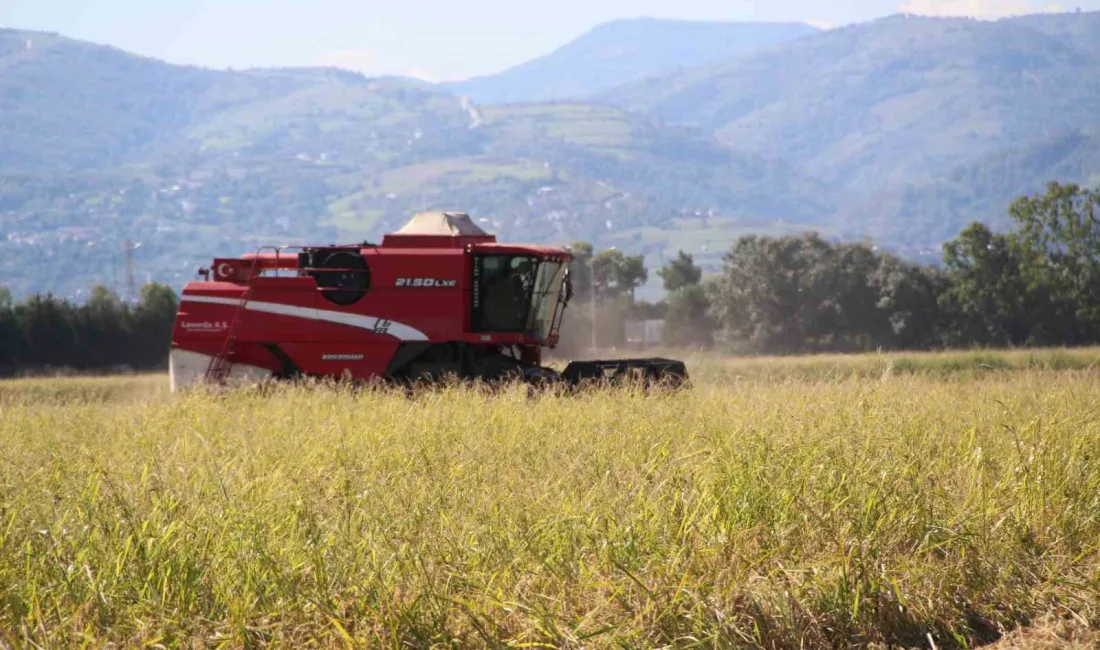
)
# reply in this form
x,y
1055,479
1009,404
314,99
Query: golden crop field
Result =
x,y
936,500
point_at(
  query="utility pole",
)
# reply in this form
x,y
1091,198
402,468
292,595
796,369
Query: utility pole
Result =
x,y
128,247
592,292
114,275
592,296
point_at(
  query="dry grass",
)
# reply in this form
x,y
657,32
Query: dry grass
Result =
x,y
776,505
954,365
1052,633
43,391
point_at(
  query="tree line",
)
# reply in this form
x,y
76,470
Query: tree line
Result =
x,y
1036,285
44,333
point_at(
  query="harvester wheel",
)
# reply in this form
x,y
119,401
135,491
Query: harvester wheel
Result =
x,y
539,376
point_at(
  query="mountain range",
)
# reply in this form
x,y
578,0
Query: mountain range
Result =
x,y
624,51
648,135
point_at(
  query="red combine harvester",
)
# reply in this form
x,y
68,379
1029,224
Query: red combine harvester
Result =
x,y
439,297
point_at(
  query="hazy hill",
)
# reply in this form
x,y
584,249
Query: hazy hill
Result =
x,y
67,104
100,147
933,209
622,51
903,128
1077,27
893,100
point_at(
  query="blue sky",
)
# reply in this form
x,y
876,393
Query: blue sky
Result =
x,y
432,39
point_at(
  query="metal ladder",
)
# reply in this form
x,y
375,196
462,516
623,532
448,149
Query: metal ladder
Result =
x,y
218,368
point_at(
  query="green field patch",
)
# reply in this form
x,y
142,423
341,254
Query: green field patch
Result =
x,y
459,172
598,133
553,110
574,124
226,141
352,215
703,237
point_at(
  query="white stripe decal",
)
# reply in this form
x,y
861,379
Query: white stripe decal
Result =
x,y
397,330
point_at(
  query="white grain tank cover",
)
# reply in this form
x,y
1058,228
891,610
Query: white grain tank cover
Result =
x,y
457,224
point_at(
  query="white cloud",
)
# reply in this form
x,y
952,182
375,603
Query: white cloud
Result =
x,y
373,64
972,8
822,24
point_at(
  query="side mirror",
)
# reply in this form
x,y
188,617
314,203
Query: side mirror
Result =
x,y
568,286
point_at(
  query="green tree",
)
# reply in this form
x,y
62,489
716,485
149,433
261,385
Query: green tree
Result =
x,y
680,272
1057,240
580,272
631,273
154,318
10,343
615,274
801,293
908,313
856,321
688,321
47,332
774,293
986,299
104,327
